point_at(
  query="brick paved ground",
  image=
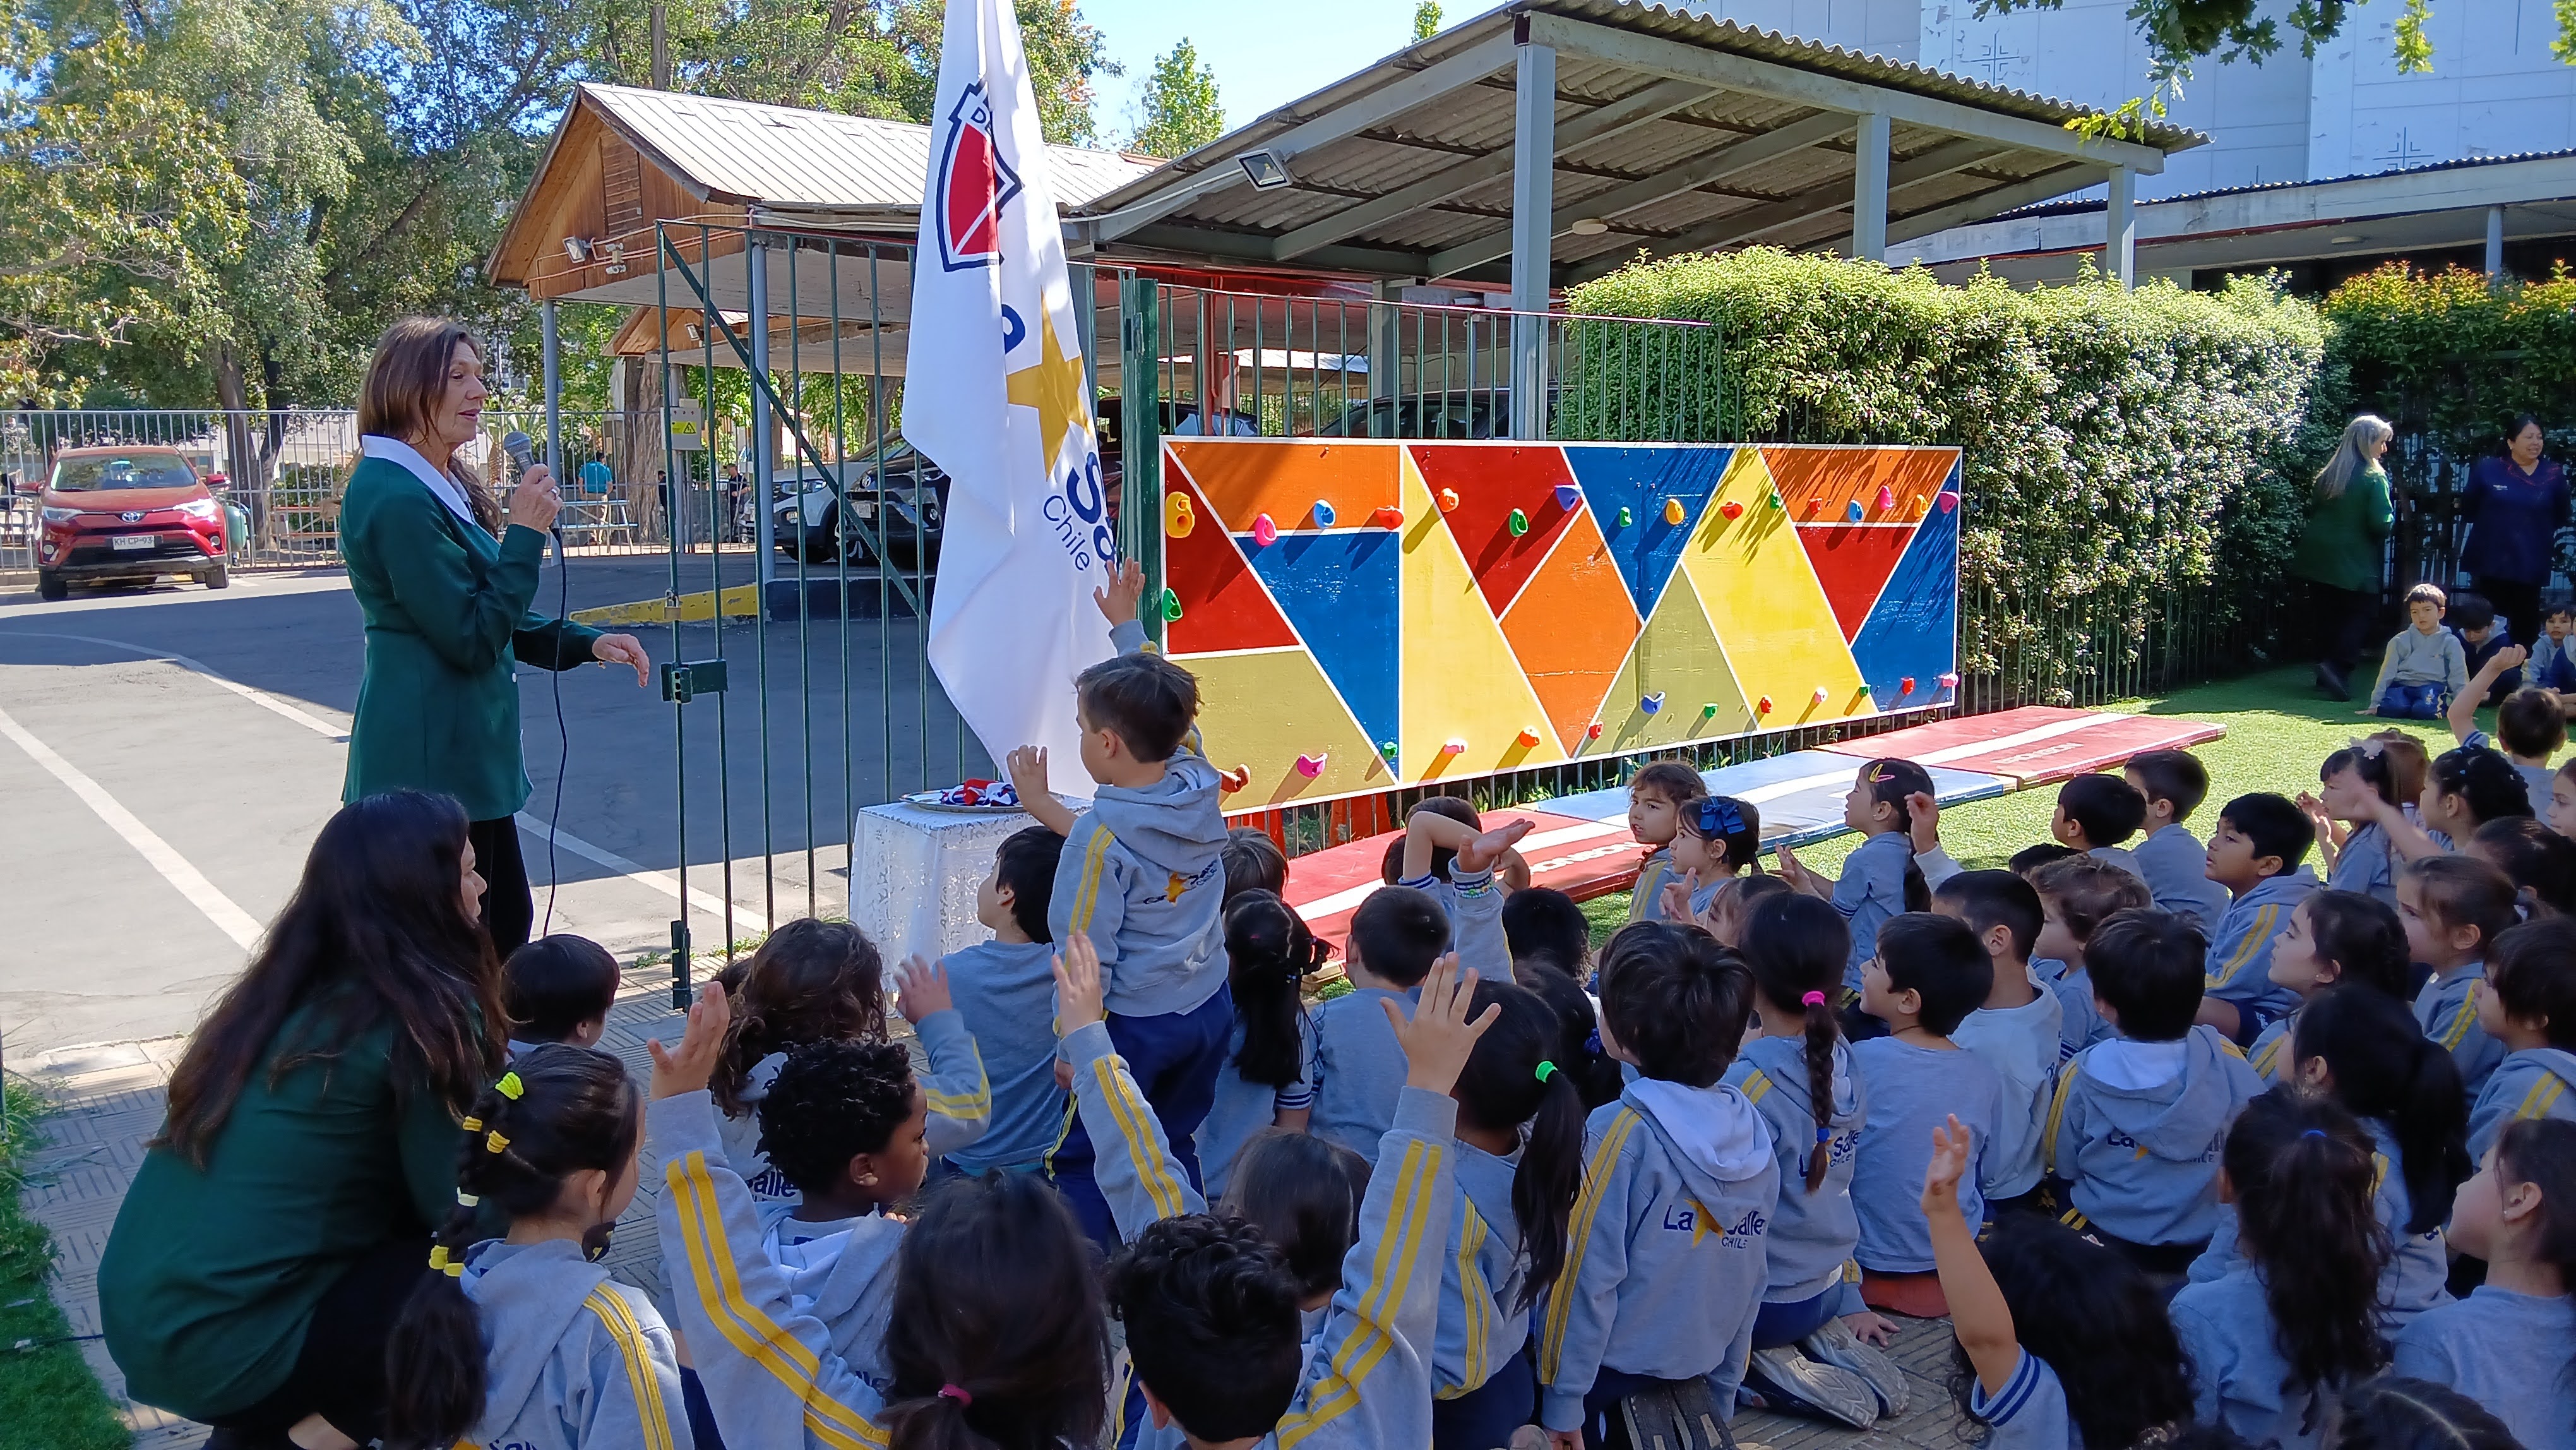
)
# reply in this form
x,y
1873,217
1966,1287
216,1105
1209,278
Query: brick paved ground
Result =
x,y
110,1101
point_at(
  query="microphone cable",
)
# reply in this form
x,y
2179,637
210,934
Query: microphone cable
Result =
x,y
563,732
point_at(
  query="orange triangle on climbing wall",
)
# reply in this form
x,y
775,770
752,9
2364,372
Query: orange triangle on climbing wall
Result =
x,y
1223,606
1570,629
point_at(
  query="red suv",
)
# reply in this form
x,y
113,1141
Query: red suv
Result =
x,y
129,514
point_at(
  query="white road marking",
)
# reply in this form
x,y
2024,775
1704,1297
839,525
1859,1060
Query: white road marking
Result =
x,y
220,909
634,871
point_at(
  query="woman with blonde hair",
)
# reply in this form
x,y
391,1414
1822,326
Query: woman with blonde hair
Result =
x,y
2341,548
444,576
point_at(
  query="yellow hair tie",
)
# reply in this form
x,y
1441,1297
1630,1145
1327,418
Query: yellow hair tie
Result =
x,y
493,1141
509,1086
438,1256
456,1269
473,1125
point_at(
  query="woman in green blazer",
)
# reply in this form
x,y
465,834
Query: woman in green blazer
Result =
x,y
445,579
2340,549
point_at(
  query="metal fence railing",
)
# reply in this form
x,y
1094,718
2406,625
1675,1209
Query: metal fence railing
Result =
x,y
285,469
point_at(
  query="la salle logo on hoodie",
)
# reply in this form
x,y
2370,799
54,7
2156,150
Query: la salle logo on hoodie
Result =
x,y
1689,1217
1179,883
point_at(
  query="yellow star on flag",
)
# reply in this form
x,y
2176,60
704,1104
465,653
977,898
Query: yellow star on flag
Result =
x,y
1053,386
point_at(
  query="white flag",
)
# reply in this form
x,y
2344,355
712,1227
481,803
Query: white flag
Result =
x,y
994,395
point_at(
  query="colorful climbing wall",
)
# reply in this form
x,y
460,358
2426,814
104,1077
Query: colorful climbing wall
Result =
x,y
1364,615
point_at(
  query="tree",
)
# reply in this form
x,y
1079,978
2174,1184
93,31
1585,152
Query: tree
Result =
x,y
2181,32
1180,107
1426,19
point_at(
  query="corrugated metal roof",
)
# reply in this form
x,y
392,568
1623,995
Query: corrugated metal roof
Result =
x,y
2069,208
744,152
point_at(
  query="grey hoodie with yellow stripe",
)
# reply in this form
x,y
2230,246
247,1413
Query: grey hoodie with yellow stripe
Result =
x,y
1664,1268
1813,1234
2532,1083
572,1359
2142,1161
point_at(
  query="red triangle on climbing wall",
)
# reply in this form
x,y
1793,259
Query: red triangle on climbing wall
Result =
x,y
1223,606
1853,562
1490,481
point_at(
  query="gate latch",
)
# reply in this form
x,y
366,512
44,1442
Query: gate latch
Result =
x,y
684,681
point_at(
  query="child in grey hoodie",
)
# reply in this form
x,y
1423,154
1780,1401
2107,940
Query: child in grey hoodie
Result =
x,y
2139,1120
2019,1027
2275,1340
2076,895
1005,994
2171,860
2455,908
1438,833
844,1123
1880,877
1143,876
2334,938
2255,854
1667,1270
531,1343
2529,1007
1395,937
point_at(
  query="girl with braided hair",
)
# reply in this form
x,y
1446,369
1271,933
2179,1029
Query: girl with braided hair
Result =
x,y
524,1340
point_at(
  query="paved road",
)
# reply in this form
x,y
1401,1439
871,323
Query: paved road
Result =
x,y
108,726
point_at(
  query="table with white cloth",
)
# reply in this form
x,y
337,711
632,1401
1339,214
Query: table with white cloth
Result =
x,y
914,870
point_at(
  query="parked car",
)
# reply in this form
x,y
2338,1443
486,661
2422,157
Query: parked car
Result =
x,y
1460,413
128,514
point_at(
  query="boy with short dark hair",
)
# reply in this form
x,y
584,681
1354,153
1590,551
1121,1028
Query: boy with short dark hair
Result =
x,y
2255,854
2076,895
2095,813
1143,875
2552,665
2530,1007
2482,637
2424,664
2016,1030
558,989
1395,938
1656,796
2025,863
2171,860
2139,1120
1005,989
2530,728
1926,975
1544,924
1253,862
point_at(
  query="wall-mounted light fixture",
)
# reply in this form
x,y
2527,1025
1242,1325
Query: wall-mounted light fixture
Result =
x,y
1265,169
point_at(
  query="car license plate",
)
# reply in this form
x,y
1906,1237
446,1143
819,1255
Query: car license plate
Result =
x,y
132,541
863,508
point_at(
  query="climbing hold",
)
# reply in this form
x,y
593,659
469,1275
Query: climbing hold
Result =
x,y
1853,511
1264,532
1234,780
1949,682
1323,514
1567,496
1777,503
1814,504
1946,499
1864,689
1916,508
1171,605
1592,731
1820,694
1454,745
1673,513
1526,740
1389,517
1518,523
1762,706
1708,712
1311,766
1905,687
1386,748
1653,704
1886,498
1178,517
1732,510
1626,516
1448,500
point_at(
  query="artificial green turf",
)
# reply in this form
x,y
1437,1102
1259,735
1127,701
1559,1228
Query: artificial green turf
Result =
x,y
49,1400
2279,730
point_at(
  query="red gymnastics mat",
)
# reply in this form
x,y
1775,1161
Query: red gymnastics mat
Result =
x,y
2034,745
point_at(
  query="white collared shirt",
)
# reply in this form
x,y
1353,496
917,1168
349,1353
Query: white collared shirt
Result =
x,y
444,488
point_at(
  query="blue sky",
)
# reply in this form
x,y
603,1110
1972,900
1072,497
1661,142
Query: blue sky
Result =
x,y
1265,53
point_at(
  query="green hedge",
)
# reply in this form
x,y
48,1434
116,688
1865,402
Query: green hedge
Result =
x,y
2135,461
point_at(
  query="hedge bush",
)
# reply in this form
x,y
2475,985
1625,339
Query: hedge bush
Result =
x,y
2135,461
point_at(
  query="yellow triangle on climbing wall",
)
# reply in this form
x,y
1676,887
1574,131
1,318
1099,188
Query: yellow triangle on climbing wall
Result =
x,y
1461,680
1677,657
1761,594
1262,709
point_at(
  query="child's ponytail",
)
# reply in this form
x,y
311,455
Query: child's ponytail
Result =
x,y
1512,1079
1269,954
2384,1067
2302,1173
1796,946
559,1110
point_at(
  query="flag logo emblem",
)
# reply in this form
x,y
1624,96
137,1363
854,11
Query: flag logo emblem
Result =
x,y
975,183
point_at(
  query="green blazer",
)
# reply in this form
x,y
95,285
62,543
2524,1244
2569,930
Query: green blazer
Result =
x,y
2342,542
447,610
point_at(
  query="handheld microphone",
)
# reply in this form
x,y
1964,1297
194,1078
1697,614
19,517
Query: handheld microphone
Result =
x,y
523,452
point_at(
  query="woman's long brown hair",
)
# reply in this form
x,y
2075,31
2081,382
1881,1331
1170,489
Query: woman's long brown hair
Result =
x,y
376,930
405,382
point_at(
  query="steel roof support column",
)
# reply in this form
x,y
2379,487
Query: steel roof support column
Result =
x,y
1533,235
764,449
550,356
2120,223
1869,187
2495,244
